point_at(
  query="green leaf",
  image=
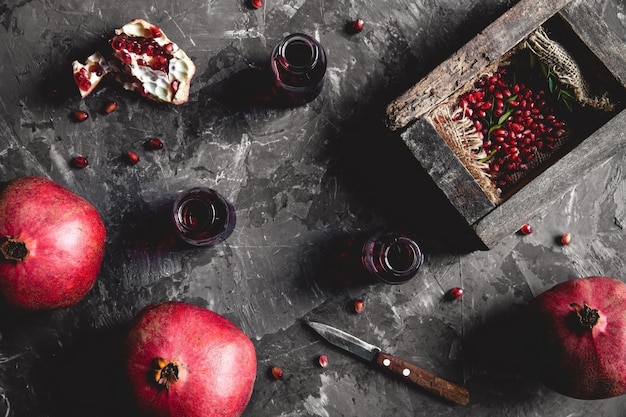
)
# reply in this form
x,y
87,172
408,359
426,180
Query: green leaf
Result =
x,y
567,93
504,117
551,84
512,98
488,157
492,128
568,105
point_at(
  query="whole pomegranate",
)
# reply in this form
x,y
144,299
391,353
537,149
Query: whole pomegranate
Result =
x,y
187,361
577,335
51,244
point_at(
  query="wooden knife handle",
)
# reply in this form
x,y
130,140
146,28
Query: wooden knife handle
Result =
x,y
440,387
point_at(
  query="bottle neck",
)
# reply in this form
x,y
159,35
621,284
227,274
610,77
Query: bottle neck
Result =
x,y
392,258
297,54
400,256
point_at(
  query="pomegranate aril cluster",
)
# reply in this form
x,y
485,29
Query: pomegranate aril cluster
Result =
x,y
158,56
515,124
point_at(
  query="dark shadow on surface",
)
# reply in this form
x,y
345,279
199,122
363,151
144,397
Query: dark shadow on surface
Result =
x,y
88,378
497,354
382,171
333,264
79,374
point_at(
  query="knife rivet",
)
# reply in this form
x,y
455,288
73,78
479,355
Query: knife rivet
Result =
x,y
406,372
386,362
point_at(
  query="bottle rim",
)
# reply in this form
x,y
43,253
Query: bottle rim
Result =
x,y
280,53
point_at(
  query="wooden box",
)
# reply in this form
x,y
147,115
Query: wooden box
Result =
x,y
596,136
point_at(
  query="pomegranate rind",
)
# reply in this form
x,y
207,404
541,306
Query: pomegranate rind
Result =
x,y
132,68
216,362
583,363
65,237
171,86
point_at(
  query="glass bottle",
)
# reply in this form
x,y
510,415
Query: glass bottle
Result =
x,y
298,66
391,258
203,217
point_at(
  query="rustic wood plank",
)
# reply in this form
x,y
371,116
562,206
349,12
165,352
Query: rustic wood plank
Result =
x,y
474,57
447,171
598,37
555,181
592,152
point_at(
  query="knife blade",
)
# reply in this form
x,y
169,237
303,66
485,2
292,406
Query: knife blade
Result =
x,y
409,372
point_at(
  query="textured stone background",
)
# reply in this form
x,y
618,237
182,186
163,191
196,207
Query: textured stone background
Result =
x,y
299,186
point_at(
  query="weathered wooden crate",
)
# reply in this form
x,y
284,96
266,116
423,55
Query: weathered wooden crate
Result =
x,y
600,54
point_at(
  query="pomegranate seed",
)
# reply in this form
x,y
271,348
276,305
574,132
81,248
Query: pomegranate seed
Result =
x,y
110,107
256,4
526,229
126,57
277,372
80,162
80,115
454,293
154,144
359,306
357,25
156,32
131,157
566,239
323,361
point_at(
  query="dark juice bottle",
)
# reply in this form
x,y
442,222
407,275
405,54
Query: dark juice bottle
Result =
x,y
298,65
202,217
391,258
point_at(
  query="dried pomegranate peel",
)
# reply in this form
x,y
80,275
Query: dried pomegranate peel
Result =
x,y
144,60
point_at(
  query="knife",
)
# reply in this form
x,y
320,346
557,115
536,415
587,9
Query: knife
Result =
x,y
412,373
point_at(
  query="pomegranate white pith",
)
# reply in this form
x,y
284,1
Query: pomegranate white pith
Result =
x,y
144,60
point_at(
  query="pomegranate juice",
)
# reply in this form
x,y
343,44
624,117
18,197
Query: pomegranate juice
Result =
x,y
298,65
203,217
391,258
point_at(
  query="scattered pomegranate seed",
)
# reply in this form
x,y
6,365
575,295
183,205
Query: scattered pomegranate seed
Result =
x,y
359,306
357,25
566,239
110,107
154,144
277,372
80,115
257,4
454,293
131,157
526,229
323,361
79,162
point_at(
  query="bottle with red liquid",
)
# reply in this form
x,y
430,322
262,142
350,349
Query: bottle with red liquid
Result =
x,y
203,217
391,258
298,66
387,257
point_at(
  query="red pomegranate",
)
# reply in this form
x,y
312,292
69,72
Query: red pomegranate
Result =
x,y
187,361
577,335
51,244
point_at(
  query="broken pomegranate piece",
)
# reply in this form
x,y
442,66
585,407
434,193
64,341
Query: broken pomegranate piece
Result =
x,y
144,60
88,75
